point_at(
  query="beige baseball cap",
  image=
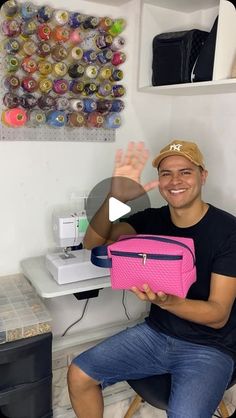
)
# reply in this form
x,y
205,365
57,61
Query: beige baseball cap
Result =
x,y
186,149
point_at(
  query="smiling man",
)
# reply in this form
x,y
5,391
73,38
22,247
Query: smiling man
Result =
x,y
193,338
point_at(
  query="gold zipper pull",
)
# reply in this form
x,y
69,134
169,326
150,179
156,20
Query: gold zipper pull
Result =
x,y
144,256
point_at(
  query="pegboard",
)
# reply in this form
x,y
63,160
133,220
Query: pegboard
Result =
x,y
50,134
78,102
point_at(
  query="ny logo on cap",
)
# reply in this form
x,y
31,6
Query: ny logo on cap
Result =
x,y
175,147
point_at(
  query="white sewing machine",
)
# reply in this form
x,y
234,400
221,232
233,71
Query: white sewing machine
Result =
x,y
69,265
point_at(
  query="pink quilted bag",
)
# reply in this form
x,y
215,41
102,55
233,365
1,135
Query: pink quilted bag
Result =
x,y
166,263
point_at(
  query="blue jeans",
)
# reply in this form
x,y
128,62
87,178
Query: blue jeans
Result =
x,y
200,374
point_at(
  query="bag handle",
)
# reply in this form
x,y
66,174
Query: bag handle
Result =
x,y
100,251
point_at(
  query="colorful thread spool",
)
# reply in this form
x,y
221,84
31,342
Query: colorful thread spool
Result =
x,y
76,53
76,36
29,65
15,117
60,69
11,82
118,90
29,48
28,10
76,86
46,102
105,89
76,119
10,8
90,89
118,43
44,49
44,14
89,56
76,105
36,118
118,58
117,27
28,101
59,52
12,46
90,22
62,103
90,105
60,86
89,40
11,100
103,41
105,73
10,28
76,70
28,28
91,71
104,24
12,63
112,121
56,119
45,85
45,67
117,75
105,56
61,17
95,120
117,105
75,20
29,84
104,106
61,34
44,32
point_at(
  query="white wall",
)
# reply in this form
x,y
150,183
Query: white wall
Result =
x,y
210,121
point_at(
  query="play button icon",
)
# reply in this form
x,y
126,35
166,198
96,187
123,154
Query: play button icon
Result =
x,y
117,209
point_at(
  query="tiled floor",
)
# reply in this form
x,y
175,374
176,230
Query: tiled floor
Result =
x,y
118,410
115,410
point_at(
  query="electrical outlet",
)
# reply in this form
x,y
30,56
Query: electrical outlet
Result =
x,y
59,362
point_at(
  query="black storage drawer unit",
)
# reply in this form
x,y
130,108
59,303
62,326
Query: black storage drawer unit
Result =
x,y
32,400
26,360
26,378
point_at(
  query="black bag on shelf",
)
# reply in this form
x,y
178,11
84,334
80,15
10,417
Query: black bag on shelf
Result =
x,y
174,55
203,69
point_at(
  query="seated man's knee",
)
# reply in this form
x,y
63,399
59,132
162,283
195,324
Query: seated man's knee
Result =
x,y
79,380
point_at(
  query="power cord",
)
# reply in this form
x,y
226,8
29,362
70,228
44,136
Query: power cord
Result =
x,y
78,320
84,309
124,305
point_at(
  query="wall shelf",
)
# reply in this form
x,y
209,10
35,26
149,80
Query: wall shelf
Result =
x,y
158,16
189,89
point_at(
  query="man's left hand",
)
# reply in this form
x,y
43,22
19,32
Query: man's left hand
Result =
x,y
160,298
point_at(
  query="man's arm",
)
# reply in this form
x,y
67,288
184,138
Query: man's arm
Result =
x,y
213,313
110,232
128,166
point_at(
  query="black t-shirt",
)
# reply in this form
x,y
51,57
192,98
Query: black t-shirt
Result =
x,y
215,247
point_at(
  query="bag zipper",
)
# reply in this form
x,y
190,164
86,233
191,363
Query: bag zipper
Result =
x,y
162,239
146,256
